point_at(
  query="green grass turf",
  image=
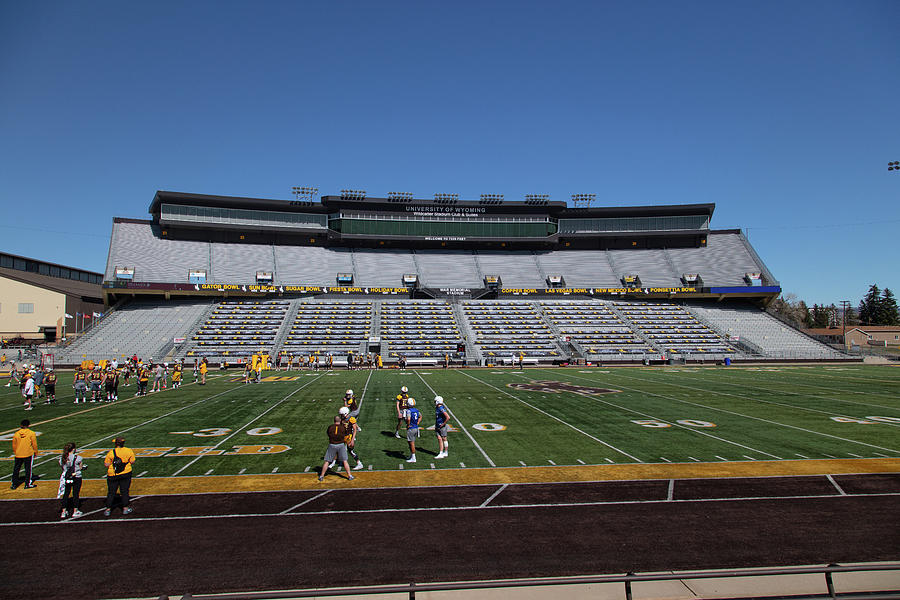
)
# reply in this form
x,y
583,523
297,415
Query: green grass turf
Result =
x,y
759,413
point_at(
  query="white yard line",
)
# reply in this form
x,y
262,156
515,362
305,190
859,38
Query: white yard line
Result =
x,y
247,424
441,509
671,493
677,425
496,493
737,414
543,412
106,438
791,406
462,427
307,501
836,486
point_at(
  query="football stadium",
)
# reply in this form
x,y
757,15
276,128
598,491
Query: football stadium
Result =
x,y
618,409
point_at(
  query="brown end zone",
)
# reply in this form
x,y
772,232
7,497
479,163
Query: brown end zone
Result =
x,y
153,486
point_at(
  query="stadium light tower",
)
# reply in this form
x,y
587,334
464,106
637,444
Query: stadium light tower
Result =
x,y
446,198
353,194
400,196
491,199
304,194
583,200
537,199
894,166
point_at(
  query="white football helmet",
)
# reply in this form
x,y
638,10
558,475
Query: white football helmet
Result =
x,y
349,393
411,402
438,400
404,390
344,411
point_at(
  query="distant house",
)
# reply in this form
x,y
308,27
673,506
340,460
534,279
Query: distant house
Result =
x,y
859,335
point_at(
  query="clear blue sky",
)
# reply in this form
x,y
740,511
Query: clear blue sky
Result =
x,y
784,114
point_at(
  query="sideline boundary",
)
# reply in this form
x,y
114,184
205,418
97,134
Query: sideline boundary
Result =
x,y
273,482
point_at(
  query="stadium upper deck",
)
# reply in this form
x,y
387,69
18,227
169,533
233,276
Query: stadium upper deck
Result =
x,y
353,245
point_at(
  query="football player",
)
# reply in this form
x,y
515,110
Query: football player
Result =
x,y
402,399
441,426
413,418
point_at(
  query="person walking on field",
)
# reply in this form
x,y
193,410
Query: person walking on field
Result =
x,y
337,448
24,444
441,426
118,475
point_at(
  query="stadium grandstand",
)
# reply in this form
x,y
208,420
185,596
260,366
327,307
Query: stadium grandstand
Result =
x,y
482,282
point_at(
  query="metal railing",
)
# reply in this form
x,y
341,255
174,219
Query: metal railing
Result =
x,y
828,590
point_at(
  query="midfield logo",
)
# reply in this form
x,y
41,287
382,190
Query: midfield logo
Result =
x,y
556,387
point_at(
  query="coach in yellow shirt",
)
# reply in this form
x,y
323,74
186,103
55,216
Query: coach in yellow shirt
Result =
x,y
24,445
118,475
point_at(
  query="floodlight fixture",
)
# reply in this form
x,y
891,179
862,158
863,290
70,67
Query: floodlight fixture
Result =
x,y
894,166
353,194
446,198
400,196
491,199
537,199
304,193
583,200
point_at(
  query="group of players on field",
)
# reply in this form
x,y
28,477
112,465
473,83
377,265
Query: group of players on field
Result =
x,y
101,382
343,431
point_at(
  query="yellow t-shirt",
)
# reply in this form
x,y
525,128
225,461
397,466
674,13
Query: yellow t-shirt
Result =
x,y
125,454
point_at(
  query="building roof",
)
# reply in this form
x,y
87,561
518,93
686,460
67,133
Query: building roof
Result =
x,y
83,289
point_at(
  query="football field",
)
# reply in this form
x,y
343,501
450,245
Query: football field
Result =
x,y
500,418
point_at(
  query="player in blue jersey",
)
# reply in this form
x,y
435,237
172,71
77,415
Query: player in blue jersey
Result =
x,y
441,426
413,418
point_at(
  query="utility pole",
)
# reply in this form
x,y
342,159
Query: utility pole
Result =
x,y
845,306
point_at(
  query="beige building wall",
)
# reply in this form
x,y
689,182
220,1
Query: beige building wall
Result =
x,y
48,307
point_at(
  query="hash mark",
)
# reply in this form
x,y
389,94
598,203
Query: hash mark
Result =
x,y
241,472
522,463
609,460
551,462
748,457
665,459
720,458
275,470
880,454
856,455
143,473
432,465
694,459
800,455
306,470
580,461
208,472
463,465
401,466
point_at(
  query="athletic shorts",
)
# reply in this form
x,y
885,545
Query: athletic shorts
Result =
x,y
442,430
110,388
95,386
338,451
80,387
50,388
412,434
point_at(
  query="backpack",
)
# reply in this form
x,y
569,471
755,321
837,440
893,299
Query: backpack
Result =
x,y
118,464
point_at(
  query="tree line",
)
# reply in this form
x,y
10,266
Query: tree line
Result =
x,y
877,307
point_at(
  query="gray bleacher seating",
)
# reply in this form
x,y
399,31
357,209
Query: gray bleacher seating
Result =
x,y
419,329
723,262
516,268
600,333
382,268
650,265
772,337
154,260
674,331
238,263
580,268
448,268
325,327
506,329
141,328
239,328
